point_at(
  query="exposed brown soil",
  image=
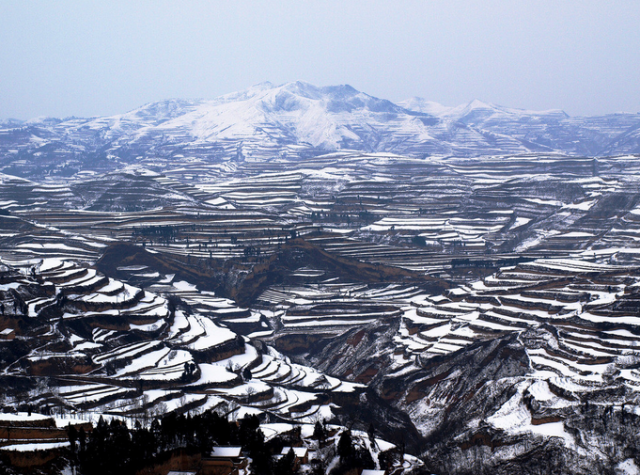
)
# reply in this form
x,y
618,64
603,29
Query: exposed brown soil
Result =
x,y
545,420
253,277
367,375
297,342
419,390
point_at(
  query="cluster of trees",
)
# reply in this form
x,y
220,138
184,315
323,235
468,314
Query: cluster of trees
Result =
x,y
489,263
189,370
251,251
12,350
161,233
365,215
114,449
351,455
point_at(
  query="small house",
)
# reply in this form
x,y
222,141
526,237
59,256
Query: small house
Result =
x,y
223,461
301,453
226,452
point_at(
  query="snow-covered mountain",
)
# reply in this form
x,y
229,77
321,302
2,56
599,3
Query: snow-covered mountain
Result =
x,y
298,120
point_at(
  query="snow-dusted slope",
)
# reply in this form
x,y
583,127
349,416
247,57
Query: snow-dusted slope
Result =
x,y
541,130
327,118
298,120
490,306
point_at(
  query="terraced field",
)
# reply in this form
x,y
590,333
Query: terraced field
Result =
x,y
95,346
488,308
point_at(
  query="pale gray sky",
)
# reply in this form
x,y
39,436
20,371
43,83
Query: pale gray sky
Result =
x,y
86,58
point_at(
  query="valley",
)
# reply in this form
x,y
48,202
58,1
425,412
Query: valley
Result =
x,y
481,313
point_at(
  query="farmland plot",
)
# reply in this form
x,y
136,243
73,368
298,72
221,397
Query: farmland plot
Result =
x,y
452,294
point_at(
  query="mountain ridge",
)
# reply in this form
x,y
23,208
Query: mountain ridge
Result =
x,y
298,120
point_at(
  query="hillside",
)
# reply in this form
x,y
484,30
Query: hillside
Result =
x,y
481,313
297,121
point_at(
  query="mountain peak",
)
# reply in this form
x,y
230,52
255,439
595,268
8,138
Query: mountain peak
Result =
x,y
299,118
343,89
419,104
264,85
478,104
309,90
301,88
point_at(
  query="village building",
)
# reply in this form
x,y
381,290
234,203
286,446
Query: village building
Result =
x,y
301,453
373,472
223,461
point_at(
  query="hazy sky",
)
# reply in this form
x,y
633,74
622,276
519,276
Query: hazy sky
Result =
x,y
86,58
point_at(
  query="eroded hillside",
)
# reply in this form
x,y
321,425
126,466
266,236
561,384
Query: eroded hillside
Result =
x,y
483,313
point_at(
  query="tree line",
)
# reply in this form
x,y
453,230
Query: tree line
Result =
x,y
111,448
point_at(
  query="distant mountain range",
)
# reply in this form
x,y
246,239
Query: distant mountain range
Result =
x,y
267,122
